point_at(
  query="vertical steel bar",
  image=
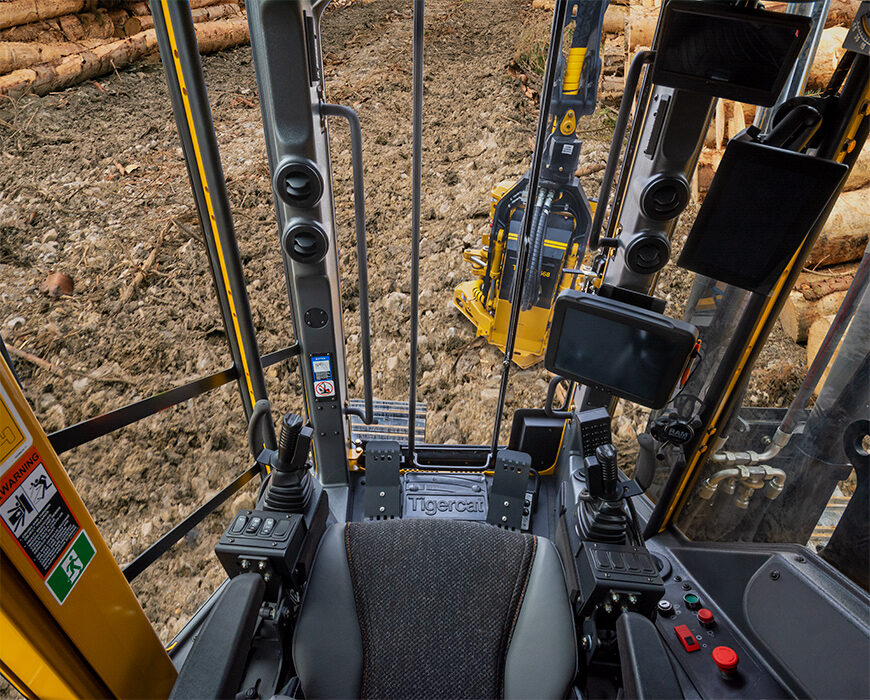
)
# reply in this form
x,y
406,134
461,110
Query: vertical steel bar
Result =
x,y
180,55
416,185
359,215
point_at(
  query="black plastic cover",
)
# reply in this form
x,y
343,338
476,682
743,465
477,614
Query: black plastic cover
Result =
x,y
761,205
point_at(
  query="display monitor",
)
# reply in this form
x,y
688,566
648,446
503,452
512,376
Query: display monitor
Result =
x,y
737,53
762,203
621,349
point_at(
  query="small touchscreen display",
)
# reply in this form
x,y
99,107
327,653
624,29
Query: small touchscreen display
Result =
x,y
627,351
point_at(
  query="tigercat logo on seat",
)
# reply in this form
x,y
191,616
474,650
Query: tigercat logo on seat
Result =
x,y
444,506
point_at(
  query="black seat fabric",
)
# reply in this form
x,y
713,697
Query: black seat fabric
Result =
x,y
434,609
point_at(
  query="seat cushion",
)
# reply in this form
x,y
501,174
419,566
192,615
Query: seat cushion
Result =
x,y
414,608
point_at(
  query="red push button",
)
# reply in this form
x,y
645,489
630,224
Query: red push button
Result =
x,y
726,659
687,639
705,617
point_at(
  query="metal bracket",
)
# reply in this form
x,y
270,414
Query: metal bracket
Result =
x,y
508,493
383,492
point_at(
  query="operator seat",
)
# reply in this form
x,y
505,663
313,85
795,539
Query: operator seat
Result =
x,y
435,609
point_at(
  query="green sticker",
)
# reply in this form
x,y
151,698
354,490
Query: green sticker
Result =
x,y
70,567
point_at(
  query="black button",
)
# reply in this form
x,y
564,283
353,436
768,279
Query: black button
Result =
x,y
602,561
616,558
282,529
253,526
268,524
239,524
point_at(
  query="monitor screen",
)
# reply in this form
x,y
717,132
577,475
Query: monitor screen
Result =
x,y
736,53
624,350
762,203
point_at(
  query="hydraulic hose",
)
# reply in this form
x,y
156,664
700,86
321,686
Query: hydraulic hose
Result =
x,y
536,215
532,288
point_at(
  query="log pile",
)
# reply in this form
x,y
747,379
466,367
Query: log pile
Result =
x,y
48,45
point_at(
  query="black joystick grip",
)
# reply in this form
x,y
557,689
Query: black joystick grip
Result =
x,y
606,456
291,426
289,489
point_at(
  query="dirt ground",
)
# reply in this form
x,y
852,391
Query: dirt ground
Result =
x,y
93,183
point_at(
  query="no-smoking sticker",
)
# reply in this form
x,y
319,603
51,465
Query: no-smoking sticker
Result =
x,y
324,388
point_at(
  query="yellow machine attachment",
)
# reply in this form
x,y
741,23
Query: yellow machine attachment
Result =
x,y
485,301
560,214
70,625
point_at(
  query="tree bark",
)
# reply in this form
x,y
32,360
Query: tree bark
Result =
x,y
860,175
842,13
827,55
815,335
14,54
15,12
846,232
47,77
101,24
640,26
798,314
136,24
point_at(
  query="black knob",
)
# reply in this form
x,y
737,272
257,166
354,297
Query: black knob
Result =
x,y
606,456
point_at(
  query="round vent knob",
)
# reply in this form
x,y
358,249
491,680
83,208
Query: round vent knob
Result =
x,y
664,197
298,183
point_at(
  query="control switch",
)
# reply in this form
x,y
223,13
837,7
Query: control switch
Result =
x,y
687,639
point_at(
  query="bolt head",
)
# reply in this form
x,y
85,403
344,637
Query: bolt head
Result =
x,y
381,509
504,518
506,504
382,494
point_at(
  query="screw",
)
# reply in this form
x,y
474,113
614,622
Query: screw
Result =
x,y
774,574
678,578
506,504
382,494
687,586
382,509
800,559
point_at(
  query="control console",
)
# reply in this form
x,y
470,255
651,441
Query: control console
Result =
x,y
704,642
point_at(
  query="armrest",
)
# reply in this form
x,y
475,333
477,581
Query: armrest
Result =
x,y
646,668
215,665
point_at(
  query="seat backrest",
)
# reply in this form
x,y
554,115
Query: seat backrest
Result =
x,y
434,608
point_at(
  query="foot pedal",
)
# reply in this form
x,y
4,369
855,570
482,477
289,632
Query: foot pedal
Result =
x,y
382,498
392,417
507,498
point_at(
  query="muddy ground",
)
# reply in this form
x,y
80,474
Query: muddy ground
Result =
x,y
93,183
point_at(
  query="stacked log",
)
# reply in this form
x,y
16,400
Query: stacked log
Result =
x,y
47,45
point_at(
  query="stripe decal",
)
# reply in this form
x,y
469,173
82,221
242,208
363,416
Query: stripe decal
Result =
x,y
212,221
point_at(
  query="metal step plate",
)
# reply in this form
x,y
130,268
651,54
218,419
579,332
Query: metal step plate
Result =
x,y
392,417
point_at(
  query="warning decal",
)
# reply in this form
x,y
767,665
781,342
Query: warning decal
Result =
x,y
14,439
35,513
324,388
